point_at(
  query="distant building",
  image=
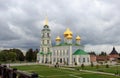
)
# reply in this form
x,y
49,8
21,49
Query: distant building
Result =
x,y
102,58
113,55
93,57
65,52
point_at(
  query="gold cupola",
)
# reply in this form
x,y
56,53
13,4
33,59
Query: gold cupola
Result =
x,y
58,38
78,38
68,32
69,37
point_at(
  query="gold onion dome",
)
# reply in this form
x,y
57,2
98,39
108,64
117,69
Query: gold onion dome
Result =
x,y
68,32
58,38
78,38
69,37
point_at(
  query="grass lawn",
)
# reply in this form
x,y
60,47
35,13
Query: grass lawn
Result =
x,y
111,69
51,72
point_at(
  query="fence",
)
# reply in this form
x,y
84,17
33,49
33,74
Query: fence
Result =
x,y
6,72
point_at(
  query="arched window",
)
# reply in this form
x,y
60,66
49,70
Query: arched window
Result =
x,y
88,59
79,60
83,59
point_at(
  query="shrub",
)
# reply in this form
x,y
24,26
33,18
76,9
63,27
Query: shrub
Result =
x,y
92,64
82,66
75,63
107,66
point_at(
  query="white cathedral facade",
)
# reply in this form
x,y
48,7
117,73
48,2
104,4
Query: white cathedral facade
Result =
x,y
65,53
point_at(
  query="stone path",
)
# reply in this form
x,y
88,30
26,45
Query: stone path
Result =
x,y
91,71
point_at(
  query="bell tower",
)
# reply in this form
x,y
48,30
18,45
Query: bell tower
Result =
x,y
45,44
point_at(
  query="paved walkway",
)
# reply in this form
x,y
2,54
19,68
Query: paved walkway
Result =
x,y
91,71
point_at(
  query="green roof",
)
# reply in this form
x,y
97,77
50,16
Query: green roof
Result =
x,y
41,53
80,52
66,44
49,53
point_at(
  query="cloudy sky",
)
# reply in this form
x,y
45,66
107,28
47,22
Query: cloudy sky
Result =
x,y
96,21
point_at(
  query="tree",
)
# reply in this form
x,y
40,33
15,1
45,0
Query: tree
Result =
x,y
103,54
92,53
19,54
6,55
35,54
30,55
12,56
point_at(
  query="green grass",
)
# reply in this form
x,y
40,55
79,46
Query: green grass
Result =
x,y
51,72
102,68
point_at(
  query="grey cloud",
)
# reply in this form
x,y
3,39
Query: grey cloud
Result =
x,y
97,22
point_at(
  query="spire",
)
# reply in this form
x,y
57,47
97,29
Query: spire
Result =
x,y
46,20
113,51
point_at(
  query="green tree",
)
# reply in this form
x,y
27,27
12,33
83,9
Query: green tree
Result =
x,y
6,55
30,55
35,54
12,56
103,54
19,54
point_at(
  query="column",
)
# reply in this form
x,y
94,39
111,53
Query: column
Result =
x,y
70,55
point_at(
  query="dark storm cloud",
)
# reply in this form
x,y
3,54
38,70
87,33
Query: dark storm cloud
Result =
x,y
96,21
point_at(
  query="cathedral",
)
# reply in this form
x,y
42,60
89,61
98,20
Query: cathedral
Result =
x,y
64,53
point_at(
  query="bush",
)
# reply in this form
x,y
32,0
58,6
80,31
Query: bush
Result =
x,y
75,63
107,66
82,66
97,66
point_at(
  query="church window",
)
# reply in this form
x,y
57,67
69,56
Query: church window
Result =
x,y
79,60
48,49
74,60
64,59
42,49
88,59
63,53
83,59
57,52
67,60
43,42
67,52
47,41
48,35
54,60
60,53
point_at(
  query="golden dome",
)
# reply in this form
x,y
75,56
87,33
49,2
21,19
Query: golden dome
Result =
x,y
78,38
58,38
68,32
69,37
